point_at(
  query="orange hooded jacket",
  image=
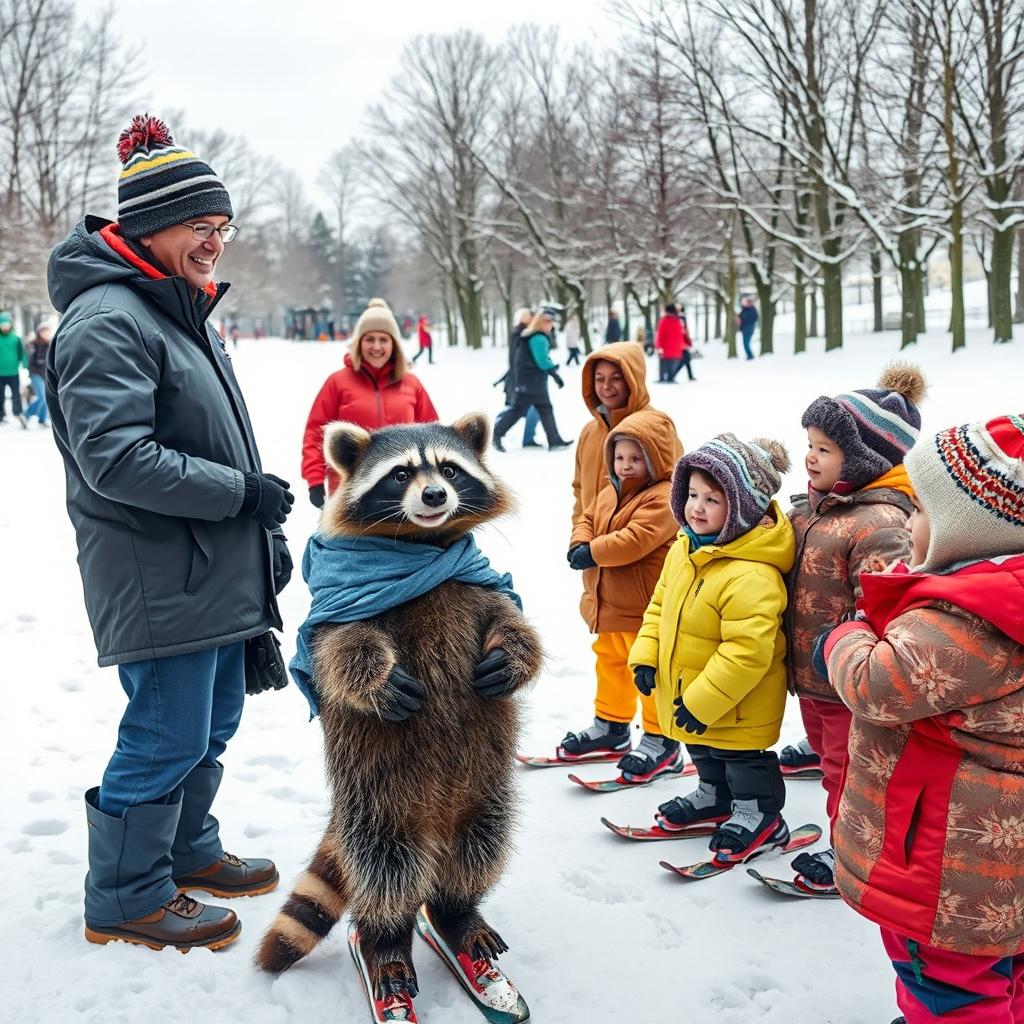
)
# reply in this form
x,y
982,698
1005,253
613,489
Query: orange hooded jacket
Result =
x,y
630,528
591,471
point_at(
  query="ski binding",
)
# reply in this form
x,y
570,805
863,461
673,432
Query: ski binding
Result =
x,y
794,888
495,996
800,837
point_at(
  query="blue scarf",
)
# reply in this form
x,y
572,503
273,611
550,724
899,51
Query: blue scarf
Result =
x,y
355,578
699,540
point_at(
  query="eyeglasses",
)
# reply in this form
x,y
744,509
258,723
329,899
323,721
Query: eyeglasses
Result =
x,y
204,230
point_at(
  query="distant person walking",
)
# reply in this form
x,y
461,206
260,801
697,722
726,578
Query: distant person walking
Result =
x,y
669,344
613,331
747,322
572,340
12,359
426,341
38,347
531,368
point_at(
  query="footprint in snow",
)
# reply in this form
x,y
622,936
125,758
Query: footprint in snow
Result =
x,y
60,857
71,685
45,827
40,796
591,885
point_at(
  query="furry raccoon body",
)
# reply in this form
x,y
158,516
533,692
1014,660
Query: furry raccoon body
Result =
x,y
422,809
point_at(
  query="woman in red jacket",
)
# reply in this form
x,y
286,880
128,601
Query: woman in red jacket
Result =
x,y
375,389
672,343
426,341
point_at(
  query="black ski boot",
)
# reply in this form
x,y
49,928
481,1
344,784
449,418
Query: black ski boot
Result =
x,y
652,755
749,829
701,807
800,756
601,737
816,871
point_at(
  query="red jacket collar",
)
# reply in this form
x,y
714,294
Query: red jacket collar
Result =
x,y
993,590
111,234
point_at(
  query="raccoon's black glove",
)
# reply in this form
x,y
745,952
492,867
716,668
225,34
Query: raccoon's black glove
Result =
x,y
400,696
643,679
493,677
582,558
267,499
317,495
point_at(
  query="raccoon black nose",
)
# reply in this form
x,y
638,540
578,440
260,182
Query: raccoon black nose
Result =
x,y
434,496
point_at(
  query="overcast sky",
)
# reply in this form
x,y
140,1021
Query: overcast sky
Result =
x,y
295,76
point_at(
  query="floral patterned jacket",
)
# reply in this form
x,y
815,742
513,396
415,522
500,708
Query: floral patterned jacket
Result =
x,y
838,537
929,837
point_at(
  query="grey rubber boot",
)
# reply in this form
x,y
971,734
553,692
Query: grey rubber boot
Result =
x,y
197,840
129,861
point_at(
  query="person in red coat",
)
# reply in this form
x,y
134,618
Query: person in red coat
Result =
x,y
375,389
426,341
671,342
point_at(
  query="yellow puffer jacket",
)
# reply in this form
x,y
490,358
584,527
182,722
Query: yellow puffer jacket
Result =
x,y
713,630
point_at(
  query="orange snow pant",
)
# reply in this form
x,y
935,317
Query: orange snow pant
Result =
x,y
616,692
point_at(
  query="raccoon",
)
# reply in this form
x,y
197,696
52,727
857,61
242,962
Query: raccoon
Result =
x,y
419,730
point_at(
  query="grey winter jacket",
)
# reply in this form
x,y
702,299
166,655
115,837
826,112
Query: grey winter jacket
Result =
x,y
156,440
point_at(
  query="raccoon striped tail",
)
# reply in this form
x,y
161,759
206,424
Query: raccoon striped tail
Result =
x,y
314,907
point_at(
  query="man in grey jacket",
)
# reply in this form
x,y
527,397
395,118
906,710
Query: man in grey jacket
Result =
x,y
178,531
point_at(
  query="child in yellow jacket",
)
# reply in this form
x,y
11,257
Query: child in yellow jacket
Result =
x,y
711,646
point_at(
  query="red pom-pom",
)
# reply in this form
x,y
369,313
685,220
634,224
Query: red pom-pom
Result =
x,y
144,132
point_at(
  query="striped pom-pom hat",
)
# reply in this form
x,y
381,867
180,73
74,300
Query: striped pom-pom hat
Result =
x,y
970,481
748,472
162,184
874,427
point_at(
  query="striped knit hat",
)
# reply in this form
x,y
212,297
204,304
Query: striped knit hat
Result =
x,y
874,427
970,481
162,184
747,472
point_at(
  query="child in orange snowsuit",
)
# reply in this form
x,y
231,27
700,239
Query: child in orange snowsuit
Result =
x,y
620,545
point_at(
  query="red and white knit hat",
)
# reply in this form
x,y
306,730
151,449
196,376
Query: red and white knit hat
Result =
x,y
970,480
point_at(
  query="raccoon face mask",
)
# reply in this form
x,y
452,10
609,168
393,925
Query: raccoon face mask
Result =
x,y
424,482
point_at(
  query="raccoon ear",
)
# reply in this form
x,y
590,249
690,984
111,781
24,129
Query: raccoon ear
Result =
x,y
475,429
343,444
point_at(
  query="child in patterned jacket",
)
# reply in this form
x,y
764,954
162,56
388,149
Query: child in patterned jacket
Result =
x,y
929,839
851,521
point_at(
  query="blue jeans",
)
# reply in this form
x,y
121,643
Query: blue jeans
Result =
x,y
182,710
530,427
747,335
37,407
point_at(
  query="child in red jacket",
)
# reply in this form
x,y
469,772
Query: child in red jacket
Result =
x,y
929,840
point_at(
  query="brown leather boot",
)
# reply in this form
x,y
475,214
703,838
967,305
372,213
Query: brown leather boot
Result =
x,y
181,922
232,876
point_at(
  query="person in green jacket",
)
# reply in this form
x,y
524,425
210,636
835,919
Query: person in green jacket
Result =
x,y
12,358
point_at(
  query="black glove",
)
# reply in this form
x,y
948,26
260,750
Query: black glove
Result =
x,y
267,499
400,696
493,677
643,678
317,495
264,666
556,378
581,558
686,721
282,562
818,662
572,551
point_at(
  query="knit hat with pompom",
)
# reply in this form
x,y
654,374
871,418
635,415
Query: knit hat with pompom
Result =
x,y
970,482
162,184
748,472
874,427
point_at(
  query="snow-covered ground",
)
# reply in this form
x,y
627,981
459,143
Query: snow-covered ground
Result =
x,y
597,931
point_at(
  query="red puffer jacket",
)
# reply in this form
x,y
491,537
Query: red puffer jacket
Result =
x,y
671,339
368,397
